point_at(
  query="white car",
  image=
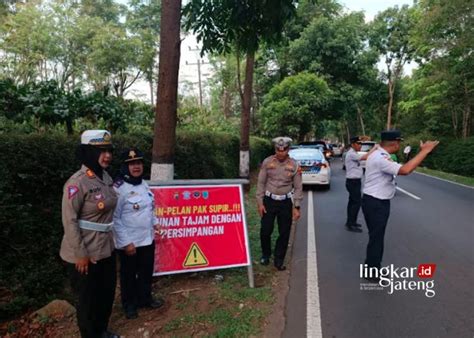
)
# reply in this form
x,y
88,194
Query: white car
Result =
x,y
364,149
315,168
337,149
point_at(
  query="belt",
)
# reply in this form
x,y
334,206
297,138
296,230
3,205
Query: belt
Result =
x,y
86,225
278,197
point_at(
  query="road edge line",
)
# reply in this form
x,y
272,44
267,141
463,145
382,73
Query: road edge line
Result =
x,y
408,193
313,308
444,180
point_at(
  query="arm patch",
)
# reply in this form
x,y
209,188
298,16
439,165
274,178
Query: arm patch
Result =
x,y
118,183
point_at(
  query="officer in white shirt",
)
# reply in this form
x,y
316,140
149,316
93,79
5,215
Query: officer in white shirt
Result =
x,y
379,188
134,228
354,173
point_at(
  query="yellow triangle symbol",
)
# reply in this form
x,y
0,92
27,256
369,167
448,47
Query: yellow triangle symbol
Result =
x,y
195,257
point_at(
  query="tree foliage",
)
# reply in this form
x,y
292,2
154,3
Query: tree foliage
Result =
x,y
80,44
391,33
294,106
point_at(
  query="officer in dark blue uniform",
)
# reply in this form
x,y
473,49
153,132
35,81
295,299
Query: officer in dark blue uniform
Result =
x,y
379,188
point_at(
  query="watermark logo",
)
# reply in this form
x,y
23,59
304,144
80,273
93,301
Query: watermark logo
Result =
x,y
395,279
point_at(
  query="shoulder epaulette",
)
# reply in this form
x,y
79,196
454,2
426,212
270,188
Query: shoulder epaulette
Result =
x,y
90,173
118,183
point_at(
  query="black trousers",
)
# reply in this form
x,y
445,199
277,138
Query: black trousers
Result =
x,y
136,274
355,199
376,213
283,212
94,295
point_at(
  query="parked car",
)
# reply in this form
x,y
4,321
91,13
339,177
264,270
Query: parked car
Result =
x,y
321,145
314,166
365,148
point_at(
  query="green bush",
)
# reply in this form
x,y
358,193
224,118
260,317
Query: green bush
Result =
x,y
451,155
34,169
45,106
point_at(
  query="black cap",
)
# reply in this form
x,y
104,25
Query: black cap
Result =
x,y
132,154
355,139
391,135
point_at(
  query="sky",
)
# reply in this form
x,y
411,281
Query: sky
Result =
x,y
372,7
188,72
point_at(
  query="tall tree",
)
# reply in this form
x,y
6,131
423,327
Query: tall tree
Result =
x,y
27,43
164,141
143,20
390,36
222,25
335,49
294,105
113,60
444,37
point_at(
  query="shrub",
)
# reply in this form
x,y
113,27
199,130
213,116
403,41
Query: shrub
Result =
x,y
451,155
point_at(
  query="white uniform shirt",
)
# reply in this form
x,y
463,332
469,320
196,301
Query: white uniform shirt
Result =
x,y
352,163
134,216
380,172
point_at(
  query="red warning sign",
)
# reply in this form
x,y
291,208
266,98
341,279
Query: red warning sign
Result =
x,y
202,228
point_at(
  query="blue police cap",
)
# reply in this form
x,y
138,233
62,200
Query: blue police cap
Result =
x,y
355,139
391,135
132,154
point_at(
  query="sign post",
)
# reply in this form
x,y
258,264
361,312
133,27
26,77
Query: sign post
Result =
x,y
203,226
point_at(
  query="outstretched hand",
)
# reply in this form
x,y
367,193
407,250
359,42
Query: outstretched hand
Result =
x,y
428,146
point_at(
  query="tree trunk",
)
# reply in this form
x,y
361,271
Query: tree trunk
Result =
x,y
152,99
226,103
361,119
164,140
391,87
454,120
466,114
348,132
244,167
69,128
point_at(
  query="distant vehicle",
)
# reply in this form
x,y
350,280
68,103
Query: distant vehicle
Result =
x,y
315,168
321,145
365,148
336,149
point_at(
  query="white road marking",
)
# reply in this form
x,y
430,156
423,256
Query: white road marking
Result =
x,y
442,179
313,308
408,193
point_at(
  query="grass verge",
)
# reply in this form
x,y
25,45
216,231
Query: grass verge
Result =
x,y
447,176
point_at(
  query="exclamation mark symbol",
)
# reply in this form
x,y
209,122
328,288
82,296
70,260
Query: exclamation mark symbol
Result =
x,y
195,255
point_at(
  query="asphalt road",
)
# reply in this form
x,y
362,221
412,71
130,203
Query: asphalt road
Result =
x,y
436,228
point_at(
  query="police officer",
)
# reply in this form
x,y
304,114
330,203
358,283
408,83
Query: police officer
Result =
x,y
87,247
379,188
134,234
279,194
354,173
